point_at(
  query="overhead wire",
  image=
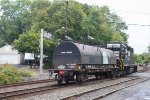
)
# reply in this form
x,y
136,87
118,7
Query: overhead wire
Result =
x,y
138,24
134,12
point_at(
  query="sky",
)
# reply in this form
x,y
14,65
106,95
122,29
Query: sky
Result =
x,y
132,12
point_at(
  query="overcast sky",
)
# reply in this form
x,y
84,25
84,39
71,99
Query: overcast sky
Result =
x,y
132,12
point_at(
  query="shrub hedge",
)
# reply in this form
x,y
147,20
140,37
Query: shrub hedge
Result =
x,y
10,74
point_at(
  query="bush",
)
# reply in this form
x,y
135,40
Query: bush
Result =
x,y
3,78
25,73
10,74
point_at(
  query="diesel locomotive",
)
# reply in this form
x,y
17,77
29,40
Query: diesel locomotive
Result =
x,y
76,62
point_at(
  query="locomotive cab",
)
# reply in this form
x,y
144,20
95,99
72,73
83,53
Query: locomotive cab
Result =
x,y
119,49
124,54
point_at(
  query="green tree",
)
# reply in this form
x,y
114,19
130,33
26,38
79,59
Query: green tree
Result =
x,y
101,24
143,58
117,37
57,14
148,48
28,42
147,55
49,46
22,20
15,19
139,58
146,58
19,16
2,43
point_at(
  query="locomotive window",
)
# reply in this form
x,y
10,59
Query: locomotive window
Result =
x,y
116,53
115,49
128,53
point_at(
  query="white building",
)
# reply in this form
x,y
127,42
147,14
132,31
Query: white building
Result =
x,y
10,56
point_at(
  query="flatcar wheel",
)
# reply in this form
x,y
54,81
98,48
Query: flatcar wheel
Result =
x,y
109,74
135,69
112,73
80,78
96,76
66,80
59,82
122,73
60,79
128,70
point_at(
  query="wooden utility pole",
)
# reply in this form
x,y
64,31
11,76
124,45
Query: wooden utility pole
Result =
x,y
41,52
66,18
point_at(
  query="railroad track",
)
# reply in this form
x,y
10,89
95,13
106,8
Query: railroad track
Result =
x,y
9,95
32,91
104,91
45,89
26,83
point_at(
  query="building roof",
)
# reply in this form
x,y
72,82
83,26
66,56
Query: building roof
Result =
x,y
7,49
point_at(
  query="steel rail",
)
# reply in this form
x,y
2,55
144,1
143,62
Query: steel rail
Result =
x,y
109,93
26,83
45,88
90,91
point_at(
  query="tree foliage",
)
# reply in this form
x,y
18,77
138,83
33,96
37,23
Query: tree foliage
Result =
x,y
19,16
143,58
28,42
117,37
15,19
139,58
148,48
22,20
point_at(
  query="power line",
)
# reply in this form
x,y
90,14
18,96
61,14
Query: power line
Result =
x,y
133,12
133,24
138,24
